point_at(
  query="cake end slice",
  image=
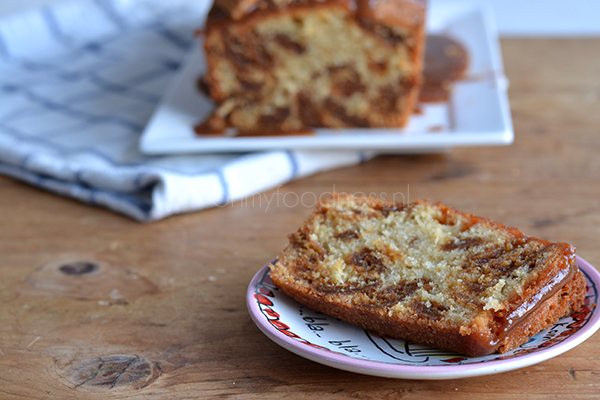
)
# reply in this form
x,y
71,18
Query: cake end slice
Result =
x,y
429,274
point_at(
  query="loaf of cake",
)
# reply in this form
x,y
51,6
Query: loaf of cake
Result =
x,y
429,274
289,65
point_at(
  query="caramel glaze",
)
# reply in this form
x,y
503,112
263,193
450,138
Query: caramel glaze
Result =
x,y
520,315
403,12
218,18
408,13
395,12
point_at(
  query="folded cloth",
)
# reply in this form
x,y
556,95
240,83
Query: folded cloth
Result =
x,y
79,81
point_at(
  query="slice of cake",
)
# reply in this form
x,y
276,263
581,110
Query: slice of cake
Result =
x,y
429,274
288,65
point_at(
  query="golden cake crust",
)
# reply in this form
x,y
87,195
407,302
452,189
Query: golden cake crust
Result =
x,y
480,288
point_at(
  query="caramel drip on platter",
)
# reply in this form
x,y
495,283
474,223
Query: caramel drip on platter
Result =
x,y
304,132
207,130
446,61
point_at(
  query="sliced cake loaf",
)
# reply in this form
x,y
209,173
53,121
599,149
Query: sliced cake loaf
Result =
x,y
288,65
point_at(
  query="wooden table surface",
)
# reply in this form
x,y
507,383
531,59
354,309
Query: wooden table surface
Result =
x,y
165,316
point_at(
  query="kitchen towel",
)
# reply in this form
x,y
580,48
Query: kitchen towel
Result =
x,y
78,82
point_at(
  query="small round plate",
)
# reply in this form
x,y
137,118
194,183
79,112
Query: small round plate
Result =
x,y
327,340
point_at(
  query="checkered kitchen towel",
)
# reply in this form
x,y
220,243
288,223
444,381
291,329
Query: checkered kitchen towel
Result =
x,y
78,82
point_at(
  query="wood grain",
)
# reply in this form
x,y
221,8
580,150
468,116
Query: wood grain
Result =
x,y
163,315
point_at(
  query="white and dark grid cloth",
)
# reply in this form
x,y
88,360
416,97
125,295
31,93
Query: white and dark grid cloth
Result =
x,y
79,81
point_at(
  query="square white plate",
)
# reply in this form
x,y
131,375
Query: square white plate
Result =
x,y
477,113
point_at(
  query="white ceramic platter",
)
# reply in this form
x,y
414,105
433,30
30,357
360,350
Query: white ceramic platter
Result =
x,y
338,344
477,113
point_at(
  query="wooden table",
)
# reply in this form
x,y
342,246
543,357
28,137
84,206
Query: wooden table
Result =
x,y
165,314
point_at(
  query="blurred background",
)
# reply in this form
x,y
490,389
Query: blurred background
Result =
x,y
514,17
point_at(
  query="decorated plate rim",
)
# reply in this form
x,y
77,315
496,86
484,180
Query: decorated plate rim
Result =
x,y
307,349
